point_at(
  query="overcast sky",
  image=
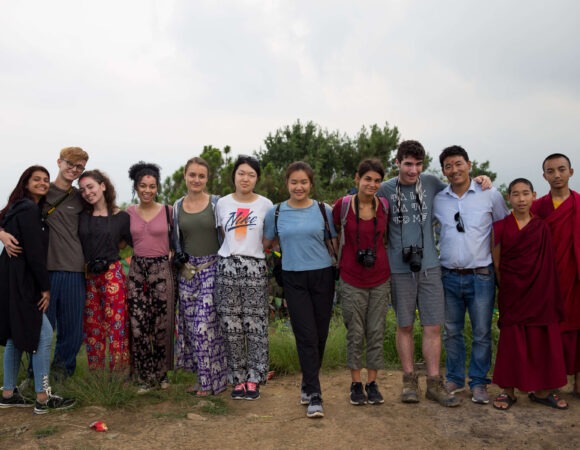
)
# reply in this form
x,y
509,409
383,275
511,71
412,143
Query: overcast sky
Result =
x,y
158,80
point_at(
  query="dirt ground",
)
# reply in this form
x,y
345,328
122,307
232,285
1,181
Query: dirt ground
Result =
x,y
278,421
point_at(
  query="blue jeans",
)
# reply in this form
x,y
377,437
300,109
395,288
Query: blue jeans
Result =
x,y
65,312
475,294
40,360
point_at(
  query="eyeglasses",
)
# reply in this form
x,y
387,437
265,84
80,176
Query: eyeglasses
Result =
x,y
72,165
459,220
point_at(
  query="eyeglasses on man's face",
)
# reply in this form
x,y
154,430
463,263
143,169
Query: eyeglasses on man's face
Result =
x,y
71,165
460,226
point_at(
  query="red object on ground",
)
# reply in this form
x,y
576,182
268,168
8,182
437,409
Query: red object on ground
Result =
x,y
99,426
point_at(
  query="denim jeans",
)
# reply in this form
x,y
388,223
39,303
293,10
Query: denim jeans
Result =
x,y
475,294
40,360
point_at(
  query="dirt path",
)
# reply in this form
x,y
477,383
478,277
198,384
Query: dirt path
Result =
x,y
278,421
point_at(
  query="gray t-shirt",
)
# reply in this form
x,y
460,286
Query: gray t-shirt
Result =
x,y
199,233
413,220
64,245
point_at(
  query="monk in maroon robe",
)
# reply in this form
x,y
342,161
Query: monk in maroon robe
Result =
x,y
529,354
561,210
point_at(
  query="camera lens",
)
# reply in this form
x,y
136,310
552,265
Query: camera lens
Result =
x,y
366,257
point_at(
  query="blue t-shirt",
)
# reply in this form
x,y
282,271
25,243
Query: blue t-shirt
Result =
x,y
301,234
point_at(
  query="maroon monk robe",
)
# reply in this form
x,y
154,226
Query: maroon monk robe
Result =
x,y
529,355
564,223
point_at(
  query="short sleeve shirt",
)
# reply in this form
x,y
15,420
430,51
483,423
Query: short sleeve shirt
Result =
x,y
243,225
407,232
301,233
64,245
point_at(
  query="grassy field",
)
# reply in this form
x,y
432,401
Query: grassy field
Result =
x,y
102,388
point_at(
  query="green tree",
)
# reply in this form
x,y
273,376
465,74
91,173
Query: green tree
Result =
x,y
478,168
220,167
333,155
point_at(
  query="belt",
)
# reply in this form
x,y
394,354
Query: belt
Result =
x,y
189,270
475,271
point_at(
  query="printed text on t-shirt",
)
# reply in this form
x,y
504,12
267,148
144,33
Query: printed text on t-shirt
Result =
x,y
416,216
240,220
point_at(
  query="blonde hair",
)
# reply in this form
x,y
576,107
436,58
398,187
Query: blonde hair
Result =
x,y
74,154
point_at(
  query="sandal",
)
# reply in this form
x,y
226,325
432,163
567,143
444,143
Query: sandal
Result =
x,y
192,389
550,400
505,400
203,393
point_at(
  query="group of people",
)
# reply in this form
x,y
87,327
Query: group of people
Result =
x,y
196,294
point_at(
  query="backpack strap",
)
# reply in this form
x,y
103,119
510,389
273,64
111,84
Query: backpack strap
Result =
x,y
327,235
177,235
276,214
344,207
385,204
213,200
169,228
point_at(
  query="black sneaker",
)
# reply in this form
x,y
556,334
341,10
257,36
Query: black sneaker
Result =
x,y
252,391
315,409
16,401
239,392
54,402
357,396
373,394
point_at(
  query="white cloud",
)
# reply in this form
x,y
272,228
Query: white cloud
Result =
x,y
157,80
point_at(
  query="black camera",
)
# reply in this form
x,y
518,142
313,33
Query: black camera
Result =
x,y
180,258
97,265
413,256
366,257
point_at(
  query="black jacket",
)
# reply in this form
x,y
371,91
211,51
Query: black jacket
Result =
x,y
23,278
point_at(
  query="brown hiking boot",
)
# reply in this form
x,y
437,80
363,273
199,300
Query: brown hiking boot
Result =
x,y
410,392
436,391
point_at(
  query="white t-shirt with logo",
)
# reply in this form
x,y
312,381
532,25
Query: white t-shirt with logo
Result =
x,y
243,226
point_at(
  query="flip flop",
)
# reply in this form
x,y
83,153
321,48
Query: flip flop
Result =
x,y
550,400
506,400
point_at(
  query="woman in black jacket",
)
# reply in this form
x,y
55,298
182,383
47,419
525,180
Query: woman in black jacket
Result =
x,y
24,293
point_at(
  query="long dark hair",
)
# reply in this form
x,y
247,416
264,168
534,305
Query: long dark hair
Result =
x,y
21,191
109,194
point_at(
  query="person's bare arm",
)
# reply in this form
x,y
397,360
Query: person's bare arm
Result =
x,y
11,244
485,182
44,301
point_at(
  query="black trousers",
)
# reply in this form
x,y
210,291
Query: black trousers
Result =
x,y
309,295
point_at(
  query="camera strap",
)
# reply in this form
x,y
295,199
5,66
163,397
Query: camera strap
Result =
x,y
375,234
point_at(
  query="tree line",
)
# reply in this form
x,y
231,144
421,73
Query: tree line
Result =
x,y
333,155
